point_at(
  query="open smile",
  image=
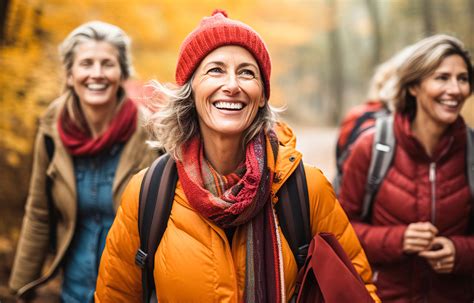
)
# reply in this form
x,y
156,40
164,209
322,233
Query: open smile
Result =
x,y
451,104
97,86
225,105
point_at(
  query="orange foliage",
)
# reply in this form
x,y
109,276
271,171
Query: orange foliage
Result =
x,y
31,71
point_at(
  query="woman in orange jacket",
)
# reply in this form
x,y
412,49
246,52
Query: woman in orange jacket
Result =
x,y
222,242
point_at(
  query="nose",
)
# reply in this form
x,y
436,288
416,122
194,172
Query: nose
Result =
x,y
231,85
455,87
97,71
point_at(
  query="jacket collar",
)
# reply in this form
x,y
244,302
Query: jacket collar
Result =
x,y
453,138
288,157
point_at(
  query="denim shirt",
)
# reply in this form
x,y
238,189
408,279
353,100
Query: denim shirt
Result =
x,y
95,214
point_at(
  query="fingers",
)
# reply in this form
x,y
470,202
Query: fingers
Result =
x,y
424,227
413,245
443,259
442,265
418,237
445,249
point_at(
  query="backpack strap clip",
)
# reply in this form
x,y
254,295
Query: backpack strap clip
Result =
x,y
140,258
301,255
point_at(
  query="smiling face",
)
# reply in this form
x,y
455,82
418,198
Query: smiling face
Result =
x,y
228,92
441,95
95,74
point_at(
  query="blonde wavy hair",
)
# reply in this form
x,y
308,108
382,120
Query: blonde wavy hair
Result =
x,y
382,83
176,120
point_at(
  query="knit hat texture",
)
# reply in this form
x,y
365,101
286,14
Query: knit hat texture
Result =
x,y
216,31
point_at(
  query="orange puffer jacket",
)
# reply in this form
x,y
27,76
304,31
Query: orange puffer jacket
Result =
x,y
194,261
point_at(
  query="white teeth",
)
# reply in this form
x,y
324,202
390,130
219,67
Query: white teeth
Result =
x,y
450,103
96,86
228,105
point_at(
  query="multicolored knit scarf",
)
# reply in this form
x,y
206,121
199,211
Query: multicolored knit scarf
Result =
x,y
241,198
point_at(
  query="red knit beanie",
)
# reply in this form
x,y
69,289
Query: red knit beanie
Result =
x,y
214,32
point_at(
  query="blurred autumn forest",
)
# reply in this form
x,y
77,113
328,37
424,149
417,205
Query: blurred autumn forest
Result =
x,y
323,52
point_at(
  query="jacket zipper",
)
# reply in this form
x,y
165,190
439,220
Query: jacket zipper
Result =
x,y
433,191
432,177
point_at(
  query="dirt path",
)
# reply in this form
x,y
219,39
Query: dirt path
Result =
x,y
318,147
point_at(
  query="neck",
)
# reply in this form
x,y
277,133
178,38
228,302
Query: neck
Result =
x,y
224,153
98,117
428,132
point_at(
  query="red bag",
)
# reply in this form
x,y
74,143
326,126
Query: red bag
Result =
x,y
328,275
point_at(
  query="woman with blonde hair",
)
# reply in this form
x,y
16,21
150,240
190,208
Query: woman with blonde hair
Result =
x,y
222,242
418,237
89,143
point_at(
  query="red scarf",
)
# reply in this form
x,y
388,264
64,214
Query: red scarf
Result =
x,y
246,202
79,141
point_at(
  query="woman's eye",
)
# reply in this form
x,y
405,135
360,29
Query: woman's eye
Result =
x,y
248,73
463,79
85,63
215,70
109,64
442,78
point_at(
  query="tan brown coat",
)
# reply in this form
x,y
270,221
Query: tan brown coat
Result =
x,y
32,249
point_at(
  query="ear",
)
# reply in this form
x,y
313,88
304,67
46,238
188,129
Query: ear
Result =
x,y
69,81
262,101
413,90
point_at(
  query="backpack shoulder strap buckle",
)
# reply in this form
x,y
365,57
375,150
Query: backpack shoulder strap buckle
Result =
x,y
140,258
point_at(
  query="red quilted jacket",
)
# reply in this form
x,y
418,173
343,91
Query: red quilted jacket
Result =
x,y
408,195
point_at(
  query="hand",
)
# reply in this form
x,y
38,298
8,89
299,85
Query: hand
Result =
x,y
442,259
418,237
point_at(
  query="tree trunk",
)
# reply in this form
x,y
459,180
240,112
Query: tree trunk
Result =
x,y
428,20
336,79
470,40
376,31
3,19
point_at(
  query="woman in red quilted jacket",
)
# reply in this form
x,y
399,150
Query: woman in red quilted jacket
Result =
x,y
417,236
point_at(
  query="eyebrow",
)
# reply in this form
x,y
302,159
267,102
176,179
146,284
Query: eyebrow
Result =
x,y
449,73
245,64
220,63
214,62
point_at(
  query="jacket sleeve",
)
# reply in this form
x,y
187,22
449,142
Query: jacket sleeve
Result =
x,y
34,237
119,278
383,244
326,215
464,260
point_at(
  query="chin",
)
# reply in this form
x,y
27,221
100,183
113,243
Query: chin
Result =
x,y
230,131
98,102
448,120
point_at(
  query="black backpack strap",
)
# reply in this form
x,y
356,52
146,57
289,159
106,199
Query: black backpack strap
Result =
x,y
293,214
155,203
49,144
470,173
383,150
470,160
